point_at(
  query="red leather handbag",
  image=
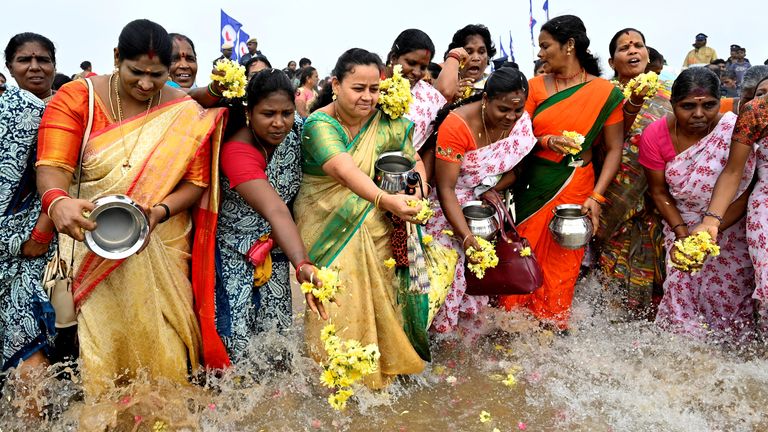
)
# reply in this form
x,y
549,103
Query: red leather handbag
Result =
x,y
515,274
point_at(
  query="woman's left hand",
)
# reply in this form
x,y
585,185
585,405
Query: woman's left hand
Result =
x,y
33,249
493,197
593,209
308,273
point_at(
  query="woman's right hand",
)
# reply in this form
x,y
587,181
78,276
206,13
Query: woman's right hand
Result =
x,y
713,230
562,145
470,242
67,215
308,273
398,205
462,53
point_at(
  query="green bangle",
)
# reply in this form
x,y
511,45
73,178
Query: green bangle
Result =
x,y
212,92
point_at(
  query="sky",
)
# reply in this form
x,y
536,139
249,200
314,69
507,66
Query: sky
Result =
x,y
322,30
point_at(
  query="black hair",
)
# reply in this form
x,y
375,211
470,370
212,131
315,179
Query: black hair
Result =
x,y
434,70
654,55
85,65
728,74
344,65
411,40
460,39
502,81
304,62
266,82
180,36
59,80
306,74
718,62
144,37
613,44
536,65
567,27
20,39
256,58
694,78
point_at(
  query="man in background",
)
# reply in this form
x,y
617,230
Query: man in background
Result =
x,y
738,63
226,52
701,54
252,44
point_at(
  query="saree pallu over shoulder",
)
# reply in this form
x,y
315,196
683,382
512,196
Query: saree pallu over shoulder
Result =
x,y
345,231
547,172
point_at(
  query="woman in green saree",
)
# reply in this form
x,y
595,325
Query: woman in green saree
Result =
x,y
340,213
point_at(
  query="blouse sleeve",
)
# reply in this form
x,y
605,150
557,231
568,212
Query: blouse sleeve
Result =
x,y
617,115
650,153
62,127
453,140
321,141
241,162
752,124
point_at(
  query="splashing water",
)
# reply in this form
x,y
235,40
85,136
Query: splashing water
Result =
x,y
602,376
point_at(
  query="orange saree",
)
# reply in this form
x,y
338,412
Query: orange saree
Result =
x,y
548,181
127,308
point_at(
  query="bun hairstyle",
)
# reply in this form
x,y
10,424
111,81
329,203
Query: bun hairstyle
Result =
x,y
566,27
695,78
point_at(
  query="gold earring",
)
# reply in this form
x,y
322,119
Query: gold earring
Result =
x,y
334,96
568,52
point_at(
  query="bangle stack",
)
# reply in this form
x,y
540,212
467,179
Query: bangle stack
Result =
x,y
299,267
41,237
596,197
454,56
377,200
544,141
212,92
52,196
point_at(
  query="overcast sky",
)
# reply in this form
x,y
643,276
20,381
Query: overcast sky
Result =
x,y
322,30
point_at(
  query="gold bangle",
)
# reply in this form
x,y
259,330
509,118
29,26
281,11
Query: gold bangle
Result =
x,y
463,242
377,200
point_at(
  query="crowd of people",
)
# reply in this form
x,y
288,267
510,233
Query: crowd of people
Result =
x,y
290,168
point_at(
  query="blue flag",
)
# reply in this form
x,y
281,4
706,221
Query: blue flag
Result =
x,y
532,22
230,28
511,48
501,47
240,48
546,8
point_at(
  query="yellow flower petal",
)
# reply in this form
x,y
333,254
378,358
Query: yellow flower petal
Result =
x,y
390,263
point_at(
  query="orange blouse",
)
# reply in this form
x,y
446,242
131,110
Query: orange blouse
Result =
x,y
454,139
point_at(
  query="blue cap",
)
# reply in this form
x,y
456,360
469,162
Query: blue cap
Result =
x,y
701,36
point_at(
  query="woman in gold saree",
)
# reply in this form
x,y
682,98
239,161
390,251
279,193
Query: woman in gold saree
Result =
x,y
157,146
341,213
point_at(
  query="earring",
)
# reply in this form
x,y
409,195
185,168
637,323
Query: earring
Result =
x,y
334,96
568,51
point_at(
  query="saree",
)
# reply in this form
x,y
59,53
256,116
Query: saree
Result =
x,y
127,308
345,231
242,310
427,101
714,303
26,316
547,181
629,243
483,166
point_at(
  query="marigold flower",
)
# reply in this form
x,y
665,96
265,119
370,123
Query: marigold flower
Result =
x,y
234,78
395,94
426,239
577,139
526,251
645,84
426,211
692,251
485,416
483,259
331,285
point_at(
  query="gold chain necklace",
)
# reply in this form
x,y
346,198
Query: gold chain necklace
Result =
x,y
126,166
485,128
343,127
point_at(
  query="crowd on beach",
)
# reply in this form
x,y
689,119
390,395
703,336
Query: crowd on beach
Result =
x,y
249,197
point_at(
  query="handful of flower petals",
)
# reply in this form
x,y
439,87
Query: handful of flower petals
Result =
x,y
348,362
331,285
426,211
577,139
234,78
395,94
645,84
691,252
481,260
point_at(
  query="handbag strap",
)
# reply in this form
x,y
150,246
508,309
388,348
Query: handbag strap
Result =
x,y
504,216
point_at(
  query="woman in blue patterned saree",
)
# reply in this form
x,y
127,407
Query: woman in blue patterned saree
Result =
x,y
261,174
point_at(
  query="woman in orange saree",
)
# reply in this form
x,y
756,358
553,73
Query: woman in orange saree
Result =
x,y
570,98
160,148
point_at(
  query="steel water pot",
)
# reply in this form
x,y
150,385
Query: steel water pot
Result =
x,y
570,228
481,219
391,171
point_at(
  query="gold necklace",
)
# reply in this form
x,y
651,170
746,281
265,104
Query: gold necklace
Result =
x,y
485,128
264,149
343,127
126,166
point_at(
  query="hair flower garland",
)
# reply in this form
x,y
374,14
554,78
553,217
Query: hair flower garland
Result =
x,y
645,84
485,257
233,79
348,362
692,251
395,94
331,285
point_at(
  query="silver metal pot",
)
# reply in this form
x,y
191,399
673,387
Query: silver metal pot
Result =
x,y
391,170
481,219
570,228
122,227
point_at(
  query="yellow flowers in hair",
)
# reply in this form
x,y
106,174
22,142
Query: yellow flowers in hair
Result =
x,y
645,84
426,211
395,94
234,78
331,285
577,139
692,251
485,257
348,362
